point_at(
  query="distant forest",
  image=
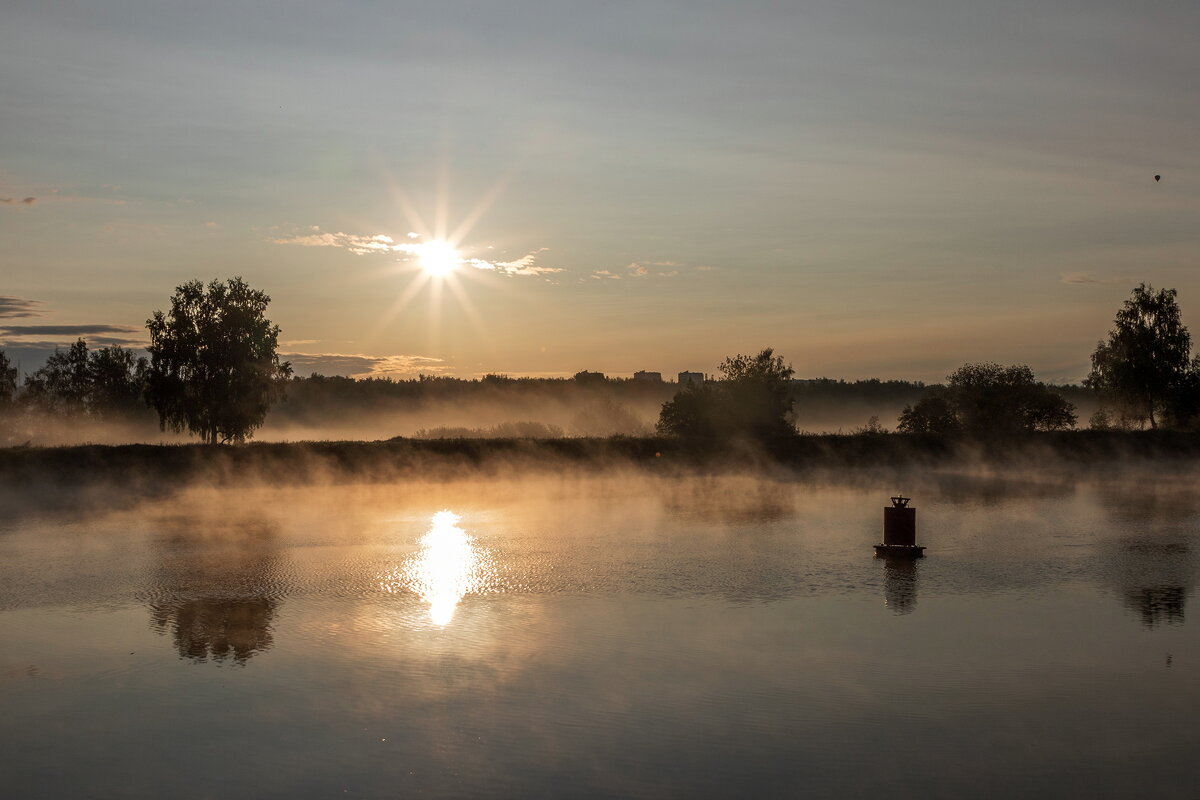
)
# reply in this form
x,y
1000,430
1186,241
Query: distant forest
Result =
x,y
66,403
214,372
335,407
587,405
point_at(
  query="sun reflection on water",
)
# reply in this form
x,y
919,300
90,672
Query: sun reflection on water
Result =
x,y
448,566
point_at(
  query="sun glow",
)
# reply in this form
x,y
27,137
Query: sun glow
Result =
x,y
448,566
433,261
438,258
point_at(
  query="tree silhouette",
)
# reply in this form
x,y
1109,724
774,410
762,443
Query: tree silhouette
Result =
x,y
117,381
61,385
77,382
758,392
8,382
933,413
696,414
214,369
987,399
1144,365
751,403
8,395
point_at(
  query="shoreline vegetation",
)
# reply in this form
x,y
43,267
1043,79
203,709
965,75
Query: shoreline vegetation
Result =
x,y
163,468
214,372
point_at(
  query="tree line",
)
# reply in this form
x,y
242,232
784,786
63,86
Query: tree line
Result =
x,y
213,371
1143,373
99,384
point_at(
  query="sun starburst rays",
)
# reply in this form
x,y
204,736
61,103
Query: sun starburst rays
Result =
x,y
434,261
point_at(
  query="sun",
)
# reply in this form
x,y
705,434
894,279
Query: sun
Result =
x,y
438,258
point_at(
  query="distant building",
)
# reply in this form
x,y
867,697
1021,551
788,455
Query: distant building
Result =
x,y
589,377
691,377
648,377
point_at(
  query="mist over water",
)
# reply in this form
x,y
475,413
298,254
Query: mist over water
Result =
x,y
472,410
617,635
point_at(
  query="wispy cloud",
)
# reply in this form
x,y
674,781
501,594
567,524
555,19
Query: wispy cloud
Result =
x,y
1084,277
18,201
63,330
32,336
640,269
381,243
522,266
12,307
363,366
359,245
50,345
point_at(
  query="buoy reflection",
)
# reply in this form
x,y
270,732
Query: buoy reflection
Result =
x,y
446,568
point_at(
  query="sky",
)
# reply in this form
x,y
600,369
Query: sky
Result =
x,y
875,189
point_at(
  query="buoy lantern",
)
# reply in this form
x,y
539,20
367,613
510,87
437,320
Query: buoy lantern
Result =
x,y
900,530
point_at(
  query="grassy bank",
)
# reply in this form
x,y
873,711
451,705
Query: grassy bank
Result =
x,y
158,468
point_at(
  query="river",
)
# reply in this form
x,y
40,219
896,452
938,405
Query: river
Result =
x,y
615,636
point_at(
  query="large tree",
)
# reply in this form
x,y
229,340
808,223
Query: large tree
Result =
x,y
758,393
751,402
988,399
1144,365
214,369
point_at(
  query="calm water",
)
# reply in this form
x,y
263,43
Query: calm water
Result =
x,y
603,638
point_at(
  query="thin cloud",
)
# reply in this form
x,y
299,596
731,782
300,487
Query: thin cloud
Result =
x,y
363,366
13,307
18,201
359,245
381,243
640,269
522,266
50,345
605,275
63,330
1084,277
408,365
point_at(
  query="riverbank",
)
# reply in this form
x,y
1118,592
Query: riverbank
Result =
x,y
157,468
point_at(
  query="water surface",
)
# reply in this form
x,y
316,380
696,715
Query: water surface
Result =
x,y
638,637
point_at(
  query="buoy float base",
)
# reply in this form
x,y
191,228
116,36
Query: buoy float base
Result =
x,y
900,550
